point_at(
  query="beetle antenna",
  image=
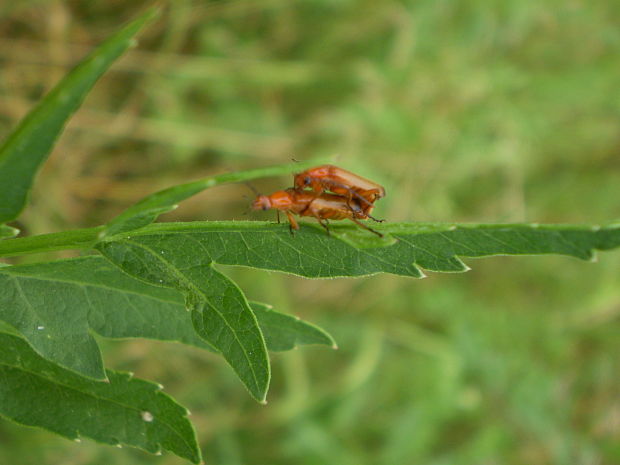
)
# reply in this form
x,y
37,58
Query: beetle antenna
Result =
x,y
252,188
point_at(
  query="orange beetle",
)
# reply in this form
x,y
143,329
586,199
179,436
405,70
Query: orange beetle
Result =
x,y
339,181
323,207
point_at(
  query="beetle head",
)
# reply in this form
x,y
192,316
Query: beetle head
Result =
x,y
261,202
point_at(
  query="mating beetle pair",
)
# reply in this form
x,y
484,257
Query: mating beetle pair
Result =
x,y
326,193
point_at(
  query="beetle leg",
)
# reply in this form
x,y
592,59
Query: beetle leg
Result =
x,y
374,219
349,200
292,223
278,215
359,223
362,199
301,213
325,224
354,207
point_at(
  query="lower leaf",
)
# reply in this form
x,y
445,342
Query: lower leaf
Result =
x,y
89,294
221,314
284,332
222,317
123,410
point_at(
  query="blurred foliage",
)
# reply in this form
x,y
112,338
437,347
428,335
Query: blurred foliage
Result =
x,y
466,111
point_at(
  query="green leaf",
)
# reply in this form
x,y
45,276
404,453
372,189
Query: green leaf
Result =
x,y
123,410
148,209
46,316
78,238
6,232
284,332
28,146
70,299
220,312
314,254
57,306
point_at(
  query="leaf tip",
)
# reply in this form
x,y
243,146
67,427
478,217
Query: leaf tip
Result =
x,y
335,346
7,232
150,14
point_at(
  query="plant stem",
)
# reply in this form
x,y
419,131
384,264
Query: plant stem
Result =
x,y
76,239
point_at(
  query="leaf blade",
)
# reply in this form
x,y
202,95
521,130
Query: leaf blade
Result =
x,y
220,313
28,146
124,410
311,253
38,315
114,305
223,318
285,332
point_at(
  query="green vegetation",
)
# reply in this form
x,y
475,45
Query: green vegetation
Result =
x,y
477,113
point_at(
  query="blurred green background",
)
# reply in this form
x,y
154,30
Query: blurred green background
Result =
x,y
472,110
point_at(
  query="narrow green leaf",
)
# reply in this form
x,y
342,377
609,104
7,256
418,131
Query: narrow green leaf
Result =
x,y
6,232
220,312
76,239
314,254
222,316
123,410
28,146
284,332
149,208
